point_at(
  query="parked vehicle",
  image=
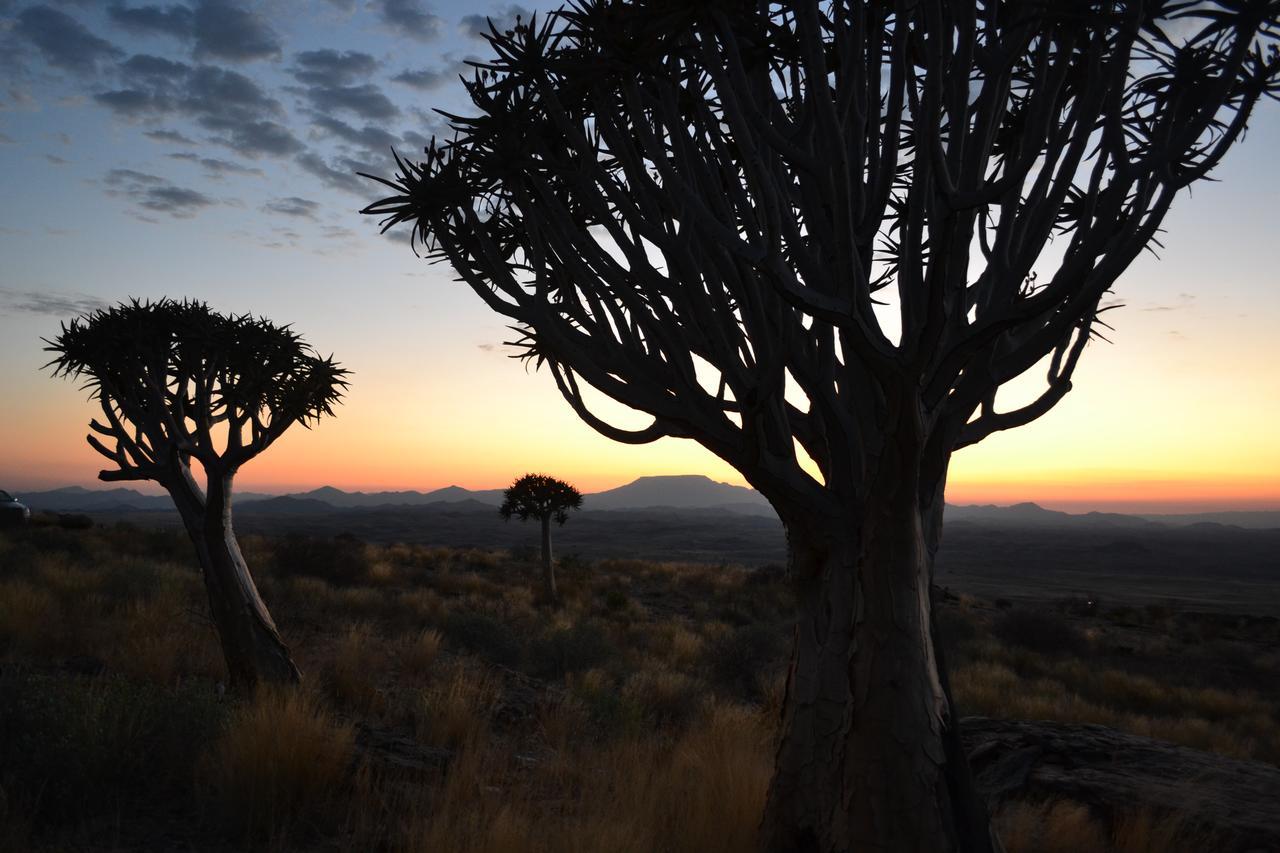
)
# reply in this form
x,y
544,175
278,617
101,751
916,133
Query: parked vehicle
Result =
x,y
13,513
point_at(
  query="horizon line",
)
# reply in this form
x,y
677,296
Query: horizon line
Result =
x,y
1074,505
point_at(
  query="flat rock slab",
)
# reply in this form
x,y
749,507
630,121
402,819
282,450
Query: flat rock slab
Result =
x,y
1115,772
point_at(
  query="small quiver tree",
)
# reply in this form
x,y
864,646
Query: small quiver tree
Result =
x,y
177,383
818,238
546,499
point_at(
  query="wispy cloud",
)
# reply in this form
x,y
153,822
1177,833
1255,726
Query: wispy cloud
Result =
x,y
52,303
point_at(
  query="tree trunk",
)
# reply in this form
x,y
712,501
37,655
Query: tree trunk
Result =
x,y
548,565
251,644
869,757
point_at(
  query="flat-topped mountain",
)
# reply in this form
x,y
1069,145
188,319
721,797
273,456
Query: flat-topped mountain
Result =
x,y
685,491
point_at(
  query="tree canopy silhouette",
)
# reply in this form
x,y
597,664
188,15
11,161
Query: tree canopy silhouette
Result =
x,y
176,382
818,238
546,499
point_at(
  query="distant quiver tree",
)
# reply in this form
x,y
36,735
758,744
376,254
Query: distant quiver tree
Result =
x,y
546,499
178,382
818,238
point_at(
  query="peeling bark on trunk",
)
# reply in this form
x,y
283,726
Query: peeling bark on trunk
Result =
x,y
251,644
869,757
548,564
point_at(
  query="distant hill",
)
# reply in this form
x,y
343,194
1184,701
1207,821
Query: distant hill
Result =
x,y
449,494
1256,519
1034,515
80,499
686,492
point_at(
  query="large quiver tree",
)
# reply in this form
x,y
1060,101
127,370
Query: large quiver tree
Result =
x,y
178,382
823,229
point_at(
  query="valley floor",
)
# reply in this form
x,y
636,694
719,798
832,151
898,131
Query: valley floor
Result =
x,y
447,708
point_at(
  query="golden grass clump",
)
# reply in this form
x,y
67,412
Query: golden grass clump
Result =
x,y
30,618
454,711
1055,827
420,651
281,758
357,662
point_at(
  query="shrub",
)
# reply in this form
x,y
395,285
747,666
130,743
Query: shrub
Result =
x,y
342,560
741,657
84,748
1040,631
485,636
579,647
74,521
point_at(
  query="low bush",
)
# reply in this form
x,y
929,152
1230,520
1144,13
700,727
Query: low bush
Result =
x,y
485,636
1041,631
566,650
342,560
82,748
741,659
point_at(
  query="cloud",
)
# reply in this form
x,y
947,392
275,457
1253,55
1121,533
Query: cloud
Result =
x,y
153,69
477,26
330,68
177,21
218,99
225,30
427,79
6,139
293,206
172,136
1185,300
366,101
53,303
216,168
64,42
255,138
409,18
156,194
56,160
369,137
348,181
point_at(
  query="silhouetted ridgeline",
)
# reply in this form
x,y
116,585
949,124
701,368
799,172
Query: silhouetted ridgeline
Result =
x,y
1018,552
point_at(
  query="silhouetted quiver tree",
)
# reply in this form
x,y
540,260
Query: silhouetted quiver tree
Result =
x,y
178,382
834,230
546,499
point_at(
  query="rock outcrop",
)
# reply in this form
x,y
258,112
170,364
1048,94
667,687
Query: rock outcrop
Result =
x,y
1114,772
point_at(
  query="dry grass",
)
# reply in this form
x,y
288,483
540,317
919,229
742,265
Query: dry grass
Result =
x,y
454,711
358,660
420,652
281,759
636,717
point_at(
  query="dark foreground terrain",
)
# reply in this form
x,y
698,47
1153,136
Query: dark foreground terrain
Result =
x,y
447,708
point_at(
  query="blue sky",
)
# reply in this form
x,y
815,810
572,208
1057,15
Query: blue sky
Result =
x,y
207,149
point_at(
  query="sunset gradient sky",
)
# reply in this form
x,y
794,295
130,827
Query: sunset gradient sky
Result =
x,y
206,150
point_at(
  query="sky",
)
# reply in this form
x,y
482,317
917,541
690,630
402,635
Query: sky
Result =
x,y
207,149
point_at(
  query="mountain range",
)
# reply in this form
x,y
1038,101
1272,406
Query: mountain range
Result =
x,y
689,492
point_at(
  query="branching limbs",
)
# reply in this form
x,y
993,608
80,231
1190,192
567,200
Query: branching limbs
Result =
x,y
693,207
176,381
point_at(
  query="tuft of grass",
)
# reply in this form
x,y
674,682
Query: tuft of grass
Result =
x,y
280,760
30,619
420,651
455,711
357,662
